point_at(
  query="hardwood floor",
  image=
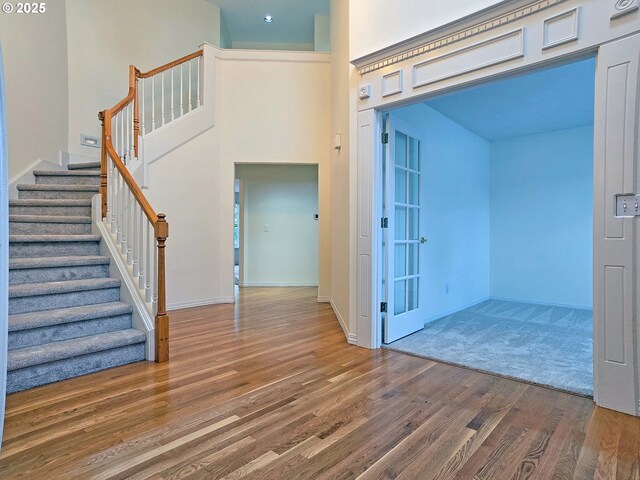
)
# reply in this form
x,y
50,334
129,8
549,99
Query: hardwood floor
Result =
x,y
269,389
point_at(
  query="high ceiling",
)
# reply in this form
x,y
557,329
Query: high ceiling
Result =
x,y
543,101
292,20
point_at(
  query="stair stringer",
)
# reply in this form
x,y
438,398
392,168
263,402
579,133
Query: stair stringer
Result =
x,y
142,317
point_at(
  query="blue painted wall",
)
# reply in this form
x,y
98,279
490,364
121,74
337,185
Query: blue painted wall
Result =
x,y
457,212
542,218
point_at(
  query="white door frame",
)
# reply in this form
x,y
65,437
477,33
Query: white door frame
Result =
x,y
515,36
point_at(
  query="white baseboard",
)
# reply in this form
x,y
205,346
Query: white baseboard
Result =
x,y
200,303
537,302
324,299
351,337
278,284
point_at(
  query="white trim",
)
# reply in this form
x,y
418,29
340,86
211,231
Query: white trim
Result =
x,y
386,79
575,13
278,284
324,299
200,303
351,337
475,50
271,55
142,318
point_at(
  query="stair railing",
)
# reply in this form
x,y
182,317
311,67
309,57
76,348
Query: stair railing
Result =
x,y
139,232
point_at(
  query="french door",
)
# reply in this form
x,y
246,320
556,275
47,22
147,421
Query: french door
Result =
x,y
403,238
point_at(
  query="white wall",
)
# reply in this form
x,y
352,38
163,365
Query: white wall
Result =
x,y
105,37
4,250
455,260
344,80
543,254
263,114
377,24
275,108
284,197
35,58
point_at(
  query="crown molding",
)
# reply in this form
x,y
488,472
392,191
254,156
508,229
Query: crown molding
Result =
x,y
484,21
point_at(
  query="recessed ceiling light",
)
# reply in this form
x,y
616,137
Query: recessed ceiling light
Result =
x,y
268,19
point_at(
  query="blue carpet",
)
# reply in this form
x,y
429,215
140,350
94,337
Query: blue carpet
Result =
x,y
541,344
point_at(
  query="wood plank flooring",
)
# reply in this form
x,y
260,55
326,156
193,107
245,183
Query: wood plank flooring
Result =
x,y
269,389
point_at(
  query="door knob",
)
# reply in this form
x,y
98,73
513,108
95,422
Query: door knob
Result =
x,y
423,240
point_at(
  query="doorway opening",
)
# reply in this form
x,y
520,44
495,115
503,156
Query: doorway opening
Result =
x,y
488,254
276,225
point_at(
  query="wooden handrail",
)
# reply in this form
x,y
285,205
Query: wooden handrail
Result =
x,y
170,65
158,221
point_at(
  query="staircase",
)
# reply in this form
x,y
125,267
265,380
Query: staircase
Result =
x,y
65,314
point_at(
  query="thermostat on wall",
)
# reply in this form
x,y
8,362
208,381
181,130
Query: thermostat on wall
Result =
x,y
365,91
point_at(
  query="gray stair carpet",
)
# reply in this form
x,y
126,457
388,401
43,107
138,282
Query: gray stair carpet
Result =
x,y
65,314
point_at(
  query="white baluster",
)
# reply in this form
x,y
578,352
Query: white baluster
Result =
x,y
109,184
136,238
142,108
181,92
162,96
114,197
190,98
153,104
130,237
198,82
172,75
149,272
141,249
120,210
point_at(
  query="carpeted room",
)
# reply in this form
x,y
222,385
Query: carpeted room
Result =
x,y
506,279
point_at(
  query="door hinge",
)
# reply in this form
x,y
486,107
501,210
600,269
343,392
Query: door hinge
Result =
x,y
627,205
384,222
383,307
385,138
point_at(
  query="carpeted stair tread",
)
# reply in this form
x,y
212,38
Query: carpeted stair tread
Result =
x,y
26,321
49,219
53,238
67,173
51,262
50,352
82,166
55,288
55,202
58,186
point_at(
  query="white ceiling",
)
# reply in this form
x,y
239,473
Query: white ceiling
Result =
x,y
292,19
544,101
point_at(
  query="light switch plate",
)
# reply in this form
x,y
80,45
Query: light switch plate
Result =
x,y
365,91
627,205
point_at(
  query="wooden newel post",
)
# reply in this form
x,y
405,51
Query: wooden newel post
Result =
x,y
136,111
103,165
162,319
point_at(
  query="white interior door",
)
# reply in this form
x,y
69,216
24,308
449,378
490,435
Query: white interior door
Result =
x,y
404,238
616,156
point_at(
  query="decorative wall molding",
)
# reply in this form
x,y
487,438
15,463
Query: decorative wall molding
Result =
x,y
624,7
482,27
392,83
493,51
561,28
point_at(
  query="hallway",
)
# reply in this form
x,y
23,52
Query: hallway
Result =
x,y
268,388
